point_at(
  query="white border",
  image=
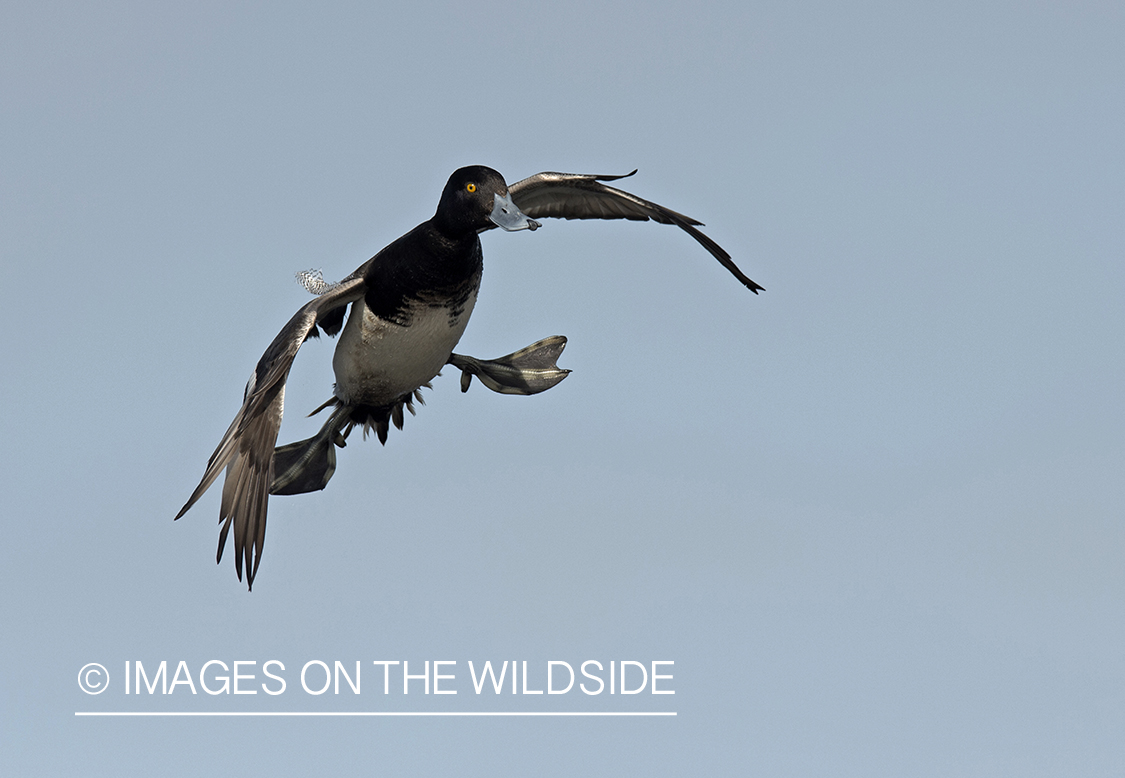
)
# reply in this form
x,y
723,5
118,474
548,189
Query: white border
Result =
x,y
374,713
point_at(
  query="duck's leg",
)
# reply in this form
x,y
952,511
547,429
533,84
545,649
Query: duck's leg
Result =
x,y
307,465
528,371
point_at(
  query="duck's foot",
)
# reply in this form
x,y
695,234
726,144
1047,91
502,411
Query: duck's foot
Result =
x,y
528,371
307,465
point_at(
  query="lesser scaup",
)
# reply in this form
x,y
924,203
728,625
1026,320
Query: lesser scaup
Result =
x,y
409,306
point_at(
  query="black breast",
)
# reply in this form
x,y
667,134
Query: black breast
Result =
x,y
424,267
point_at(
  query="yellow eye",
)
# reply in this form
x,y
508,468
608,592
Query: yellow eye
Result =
x,y
471,187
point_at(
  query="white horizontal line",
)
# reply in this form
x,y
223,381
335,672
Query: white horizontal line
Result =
x,y
373,713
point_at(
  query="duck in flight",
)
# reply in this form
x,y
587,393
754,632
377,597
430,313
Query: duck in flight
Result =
x,y
409,306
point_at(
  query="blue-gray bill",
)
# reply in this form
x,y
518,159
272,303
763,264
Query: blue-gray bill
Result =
x,y
507,216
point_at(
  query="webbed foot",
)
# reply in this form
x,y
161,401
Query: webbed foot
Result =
x,y
528,371
307,465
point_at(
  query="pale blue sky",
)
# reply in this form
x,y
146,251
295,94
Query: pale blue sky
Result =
x,y
873,514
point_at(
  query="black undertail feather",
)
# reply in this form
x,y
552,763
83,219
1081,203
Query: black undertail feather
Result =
x,y
378,419
307,465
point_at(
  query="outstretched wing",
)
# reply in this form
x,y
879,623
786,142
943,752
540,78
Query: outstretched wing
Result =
x,y
246,450
578,196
